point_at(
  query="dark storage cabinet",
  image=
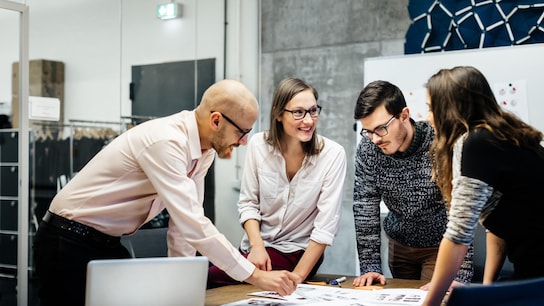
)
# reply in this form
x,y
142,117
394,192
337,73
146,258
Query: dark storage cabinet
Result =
x,y
9,191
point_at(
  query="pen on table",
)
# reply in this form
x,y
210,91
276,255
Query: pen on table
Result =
x,y
337,281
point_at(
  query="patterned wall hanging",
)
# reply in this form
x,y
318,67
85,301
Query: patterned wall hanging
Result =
x,y
442,25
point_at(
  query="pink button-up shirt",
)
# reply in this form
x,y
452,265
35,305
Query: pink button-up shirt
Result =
x,y
157,164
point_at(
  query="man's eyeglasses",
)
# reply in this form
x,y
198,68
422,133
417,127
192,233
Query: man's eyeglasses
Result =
x,y
299,114
242,131
380,130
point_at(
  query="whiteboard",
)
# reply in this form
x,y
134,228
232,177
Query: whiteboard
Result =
x,y
515,73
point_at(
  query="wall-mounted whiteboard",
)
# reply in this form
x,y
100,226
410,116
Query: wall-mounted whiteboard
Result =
x,y
515,73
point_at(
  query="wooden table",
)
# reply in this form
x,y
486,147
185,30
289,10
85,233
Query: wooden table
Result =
x,y
233,293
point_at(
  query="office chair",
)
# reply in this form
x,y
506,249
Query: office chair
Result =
x,y
507,293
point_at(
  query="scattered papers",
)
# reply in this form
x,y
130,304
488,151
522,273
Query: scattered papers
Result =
x,y
401,296
327,295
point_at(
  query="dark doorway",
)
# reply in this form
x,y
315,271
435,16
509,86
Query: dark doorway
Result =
x,y
163,89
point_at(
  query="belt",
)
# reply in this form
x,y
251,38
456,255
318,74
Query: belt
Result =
x,y
78,229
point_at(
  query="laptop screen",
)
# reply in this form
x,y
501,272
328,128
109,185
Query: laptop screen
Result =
x,y
154,281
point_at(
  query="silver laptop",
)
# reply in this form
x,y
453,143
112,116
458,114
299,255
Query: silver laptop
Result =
x,y
157,281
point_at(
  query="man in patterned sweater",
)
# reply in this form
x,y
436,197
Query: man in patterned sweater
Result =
x,y
393,164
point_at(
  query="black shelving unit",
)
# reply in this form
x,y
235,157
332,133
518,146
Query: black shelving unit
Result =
x,y
9,178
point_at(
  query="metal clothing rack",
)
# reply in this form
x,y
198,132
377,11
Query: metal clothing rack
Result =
x,y
135,120
93,123
56,131
80,123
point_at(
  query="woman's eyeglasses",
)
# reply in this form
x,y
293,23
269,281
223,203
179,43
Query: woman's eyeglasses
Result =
x,y
299,114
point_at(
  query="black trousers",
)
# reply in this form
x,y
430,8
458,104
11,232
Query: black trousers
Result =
x,y
61,258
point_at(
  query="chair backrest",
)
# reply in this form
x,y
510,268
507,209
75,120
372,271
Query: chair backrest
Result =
x,y
508,293
147,243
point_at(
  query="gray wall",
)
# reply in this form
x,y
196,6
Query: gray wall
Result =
x,y
325,43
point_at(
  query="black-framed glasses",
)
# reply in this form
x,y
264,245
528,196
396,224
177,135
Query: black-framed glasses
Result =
x,y
242,131
380,130
299,114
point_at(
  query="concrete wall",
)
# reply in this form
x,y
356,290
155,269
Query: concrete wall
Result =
x,y
325,43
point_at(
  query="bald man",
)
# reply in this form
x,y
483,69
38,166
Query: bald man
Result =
x,y
158,164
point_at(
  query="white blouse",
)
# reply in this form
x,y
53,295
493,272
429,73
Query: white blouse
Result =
x,y
292,212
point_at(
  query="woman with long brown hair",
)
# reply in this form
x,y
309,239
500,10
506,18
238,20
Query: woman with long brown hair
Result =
x,y
489,165
292,188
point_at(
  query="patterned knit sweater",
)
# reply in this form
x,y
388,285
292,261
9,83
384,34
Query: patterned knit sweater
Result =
x,y
417,214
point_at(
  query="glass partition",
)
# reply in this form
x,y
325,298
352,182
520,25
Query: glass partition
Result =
x,y
9,19
13,146
87,54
